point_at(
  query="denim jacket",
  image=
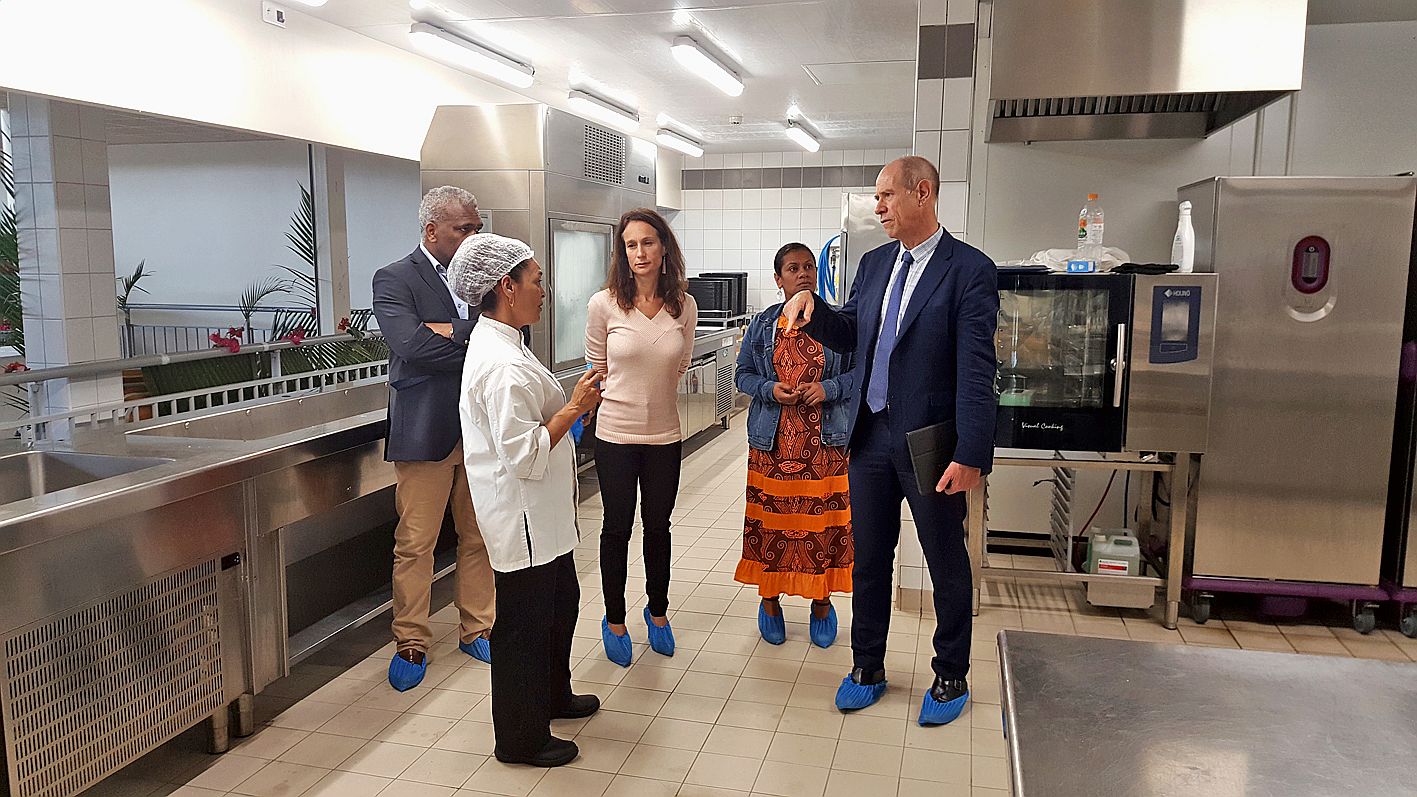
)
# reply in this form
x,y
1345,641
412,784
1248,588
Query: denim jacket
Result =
x,y
756,377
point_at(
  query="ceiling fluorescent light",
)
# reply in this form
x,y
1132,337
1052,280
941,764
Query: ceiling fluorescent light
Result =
x,y
804,139
679,143
604,111
447,46
696,59
665,120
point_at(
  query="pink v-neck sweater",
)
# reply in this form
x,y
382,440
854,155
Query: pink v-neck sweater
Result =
x,y
643,359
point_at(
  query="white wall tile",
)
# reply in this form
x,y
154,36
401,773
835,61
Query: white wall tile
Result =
x,y
812,158
875,157
929,97
77,293
101,251
752,199
962,11
733,198
732,160
752,160
831,157
693,200
93,123
55,346
713,160
953,206
731,238
713,199
828,218
932,12
95,155
43,213
64,119
770,218
953,160
853,157
68,159
792,158
46,250
791,218
41,152
772,159
70,205
958,104
927,144
37,117
74,251
792,197
772,197
79,334
98,209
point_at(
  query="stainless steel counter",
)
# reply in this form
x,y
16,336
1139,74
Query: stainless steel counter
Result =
x,y
1100,716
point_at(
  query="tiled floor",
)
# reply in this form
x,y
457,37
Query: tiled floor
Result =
x,y
728,716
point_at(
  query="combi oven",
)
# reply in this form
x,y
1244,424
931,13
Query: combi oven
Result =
x,y
1105,362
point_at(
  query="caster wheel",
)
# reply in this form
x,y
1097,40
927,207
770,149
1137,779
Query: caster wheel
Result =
x,y
1365,619
1200,609
1409,623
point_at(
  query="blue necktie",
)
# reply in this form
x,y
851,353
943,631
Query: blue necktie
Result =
x,y
885,344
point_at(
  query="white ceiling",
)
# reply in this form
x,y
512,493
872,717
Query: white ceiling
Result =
x,y
862,52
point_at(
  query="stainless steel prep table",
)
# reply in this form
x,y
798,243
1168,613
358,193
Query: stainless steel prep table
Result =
x,y
1102,716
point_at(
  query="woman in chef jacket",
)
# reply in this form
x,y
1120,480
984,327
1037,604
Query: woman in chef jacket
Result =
x,y
517,445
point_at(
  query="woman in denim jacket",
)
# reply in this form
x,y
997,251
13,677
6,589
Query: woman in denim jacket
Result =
x,y
797,529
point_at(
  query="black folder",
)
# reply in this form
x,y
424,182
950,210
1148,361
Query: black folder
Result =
x,y
932,448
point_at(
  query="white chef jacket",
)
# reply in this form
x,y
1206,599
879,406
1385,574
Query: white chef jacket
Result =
x,y
523,488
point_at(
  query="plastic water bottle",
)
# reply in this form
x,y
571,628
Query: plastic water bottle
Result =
x,y
1183,246
1090,231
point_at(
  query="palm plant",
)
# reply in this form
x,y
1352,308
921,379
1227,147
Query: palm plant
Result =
x,y
11,312
255,293
304,244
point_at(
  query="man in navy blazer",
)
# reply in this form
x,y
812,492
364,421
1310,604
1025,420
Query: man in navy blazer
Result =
x,y
426,326
921,317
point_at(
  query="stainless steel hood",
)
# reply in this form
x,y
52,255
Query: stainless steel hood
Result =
x,y
1075,70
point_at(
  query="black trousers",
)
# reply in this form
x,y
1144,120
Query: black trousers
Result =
x,y
654,470
880,475
531,653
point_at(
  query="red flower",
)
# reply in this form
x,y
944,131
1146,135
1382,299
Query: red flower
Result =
x,y
343,325
235,332
296,336
4,327
13,367
231,344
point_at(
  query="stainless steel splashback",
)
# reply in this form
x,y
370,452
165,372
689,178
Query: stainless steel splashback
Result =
x,y
1107,69
1308,338
532,167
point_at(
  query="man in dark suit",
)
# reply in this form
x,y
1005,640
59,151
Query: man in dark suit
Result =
x,y
922,317
426,326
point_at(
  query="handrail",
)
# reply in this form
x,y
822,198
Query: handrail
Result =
x,y
232,308
102,367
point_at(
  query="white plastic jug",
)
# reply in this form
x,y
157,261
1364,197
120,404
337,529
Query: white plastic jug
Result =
x,y
1114,551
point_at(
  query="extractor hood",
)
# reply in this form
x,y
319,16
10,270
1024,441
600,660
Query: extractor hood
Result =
x,y
1076,70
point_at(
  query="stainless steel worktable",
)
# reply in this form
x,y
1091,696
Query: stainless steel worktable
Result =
x,y
1101,716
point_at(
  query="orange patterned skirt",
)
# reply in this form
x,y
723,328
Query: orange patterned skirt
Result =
x,y
797,529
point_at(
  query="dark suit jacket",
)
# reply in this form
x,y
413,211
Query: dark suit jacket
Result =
x,y
943,365
425,368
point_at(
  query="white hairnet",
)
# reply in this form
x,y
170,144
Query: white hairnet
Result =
x,y
481,262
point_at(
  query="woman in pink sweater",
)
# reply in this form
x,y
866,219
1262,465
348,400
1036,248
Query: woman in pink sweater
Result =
x,y
640,333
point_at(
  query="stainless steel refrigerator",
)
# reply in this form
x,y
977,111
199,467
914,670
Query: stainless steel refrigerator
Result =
x,y
861,232
1314,273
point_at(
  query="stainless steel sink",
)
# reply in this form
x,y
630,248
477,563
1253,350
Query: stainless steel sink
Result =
x,y
32,473
276,418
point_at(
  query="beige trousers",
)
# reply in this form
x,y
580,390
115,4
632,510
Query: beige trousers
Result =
x,y
421,497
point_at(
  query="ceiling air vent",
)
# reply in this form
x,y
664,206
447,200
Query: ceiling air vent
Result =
x,y
604,156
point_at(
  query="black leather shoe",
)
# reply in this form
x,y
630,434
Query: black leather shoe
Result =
x,y
557,752
944,691
864,678
580,707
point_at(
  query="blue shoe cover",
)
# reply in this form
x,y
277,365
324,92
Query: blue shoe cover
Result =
x,y
851,696
404,674
661,640
936,712
773,629
479,649
617,648
824,630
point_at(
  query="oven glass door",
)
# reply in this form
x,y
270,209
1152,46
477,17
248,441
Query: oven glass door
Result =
x,y
580,262
1057,347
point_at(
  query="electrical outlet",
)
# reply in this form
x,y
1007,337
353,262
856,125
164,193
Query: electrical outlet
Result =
x,y
272,13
